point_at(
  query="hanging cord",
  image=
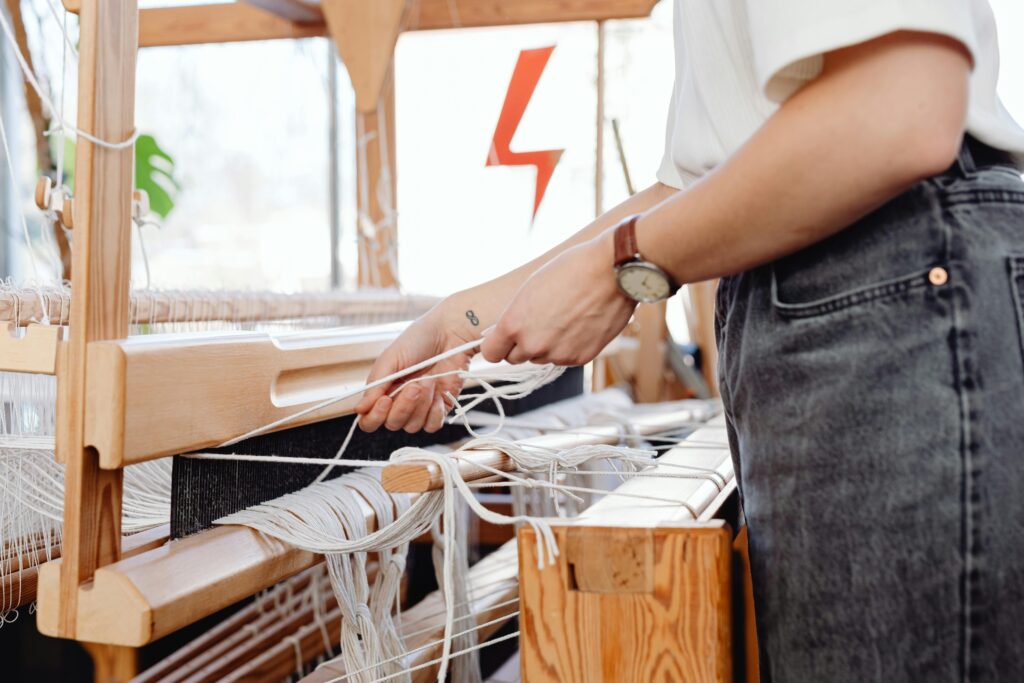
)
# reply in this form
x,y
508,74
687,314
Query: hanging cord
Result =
x,y
69,45
525,379
55,113
24,222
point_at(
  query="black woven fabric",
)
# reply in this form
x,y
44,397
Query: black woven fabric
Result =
x,y
205,490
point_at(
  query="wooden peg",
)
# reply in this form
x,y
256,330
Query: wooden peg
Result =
x,y
140,204
44,192
67,213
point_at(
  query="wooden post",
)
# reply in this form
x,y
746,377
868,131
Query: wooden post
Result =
x,y
40,123
741,550
113,664
599,142
365,34
650,366
378,249
701,323
100,297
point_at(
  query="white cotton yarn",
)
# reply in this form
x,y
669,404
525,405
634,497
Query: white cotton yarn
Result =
x,y
451,566
330,518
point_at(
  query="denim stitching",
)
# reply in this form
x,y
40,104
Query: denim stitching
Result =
x,y
1016,265
983,197
849,299
962,384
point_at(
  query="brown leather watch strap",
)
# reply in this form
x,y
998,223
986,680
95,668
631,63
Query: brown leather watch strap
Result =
x,y
626,249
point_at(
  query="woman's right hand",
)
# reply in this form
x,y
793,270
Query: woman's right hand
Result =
x,y
422,404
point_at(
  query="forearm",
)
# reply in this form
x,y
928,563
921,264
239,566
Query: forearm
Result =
x,y
870,127
488,300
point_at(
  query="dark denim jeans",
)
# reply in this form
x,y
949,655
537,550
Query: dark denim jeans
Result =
x,y
877,424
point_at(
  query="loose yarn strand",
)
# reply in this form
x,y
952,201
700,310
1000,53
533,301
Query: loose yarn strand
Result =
x,y
44,96
469,346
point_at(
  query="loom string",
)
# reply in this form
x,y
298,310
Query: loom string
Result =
x,y
21,214
531,379
463,348
489,643
44,96
491,622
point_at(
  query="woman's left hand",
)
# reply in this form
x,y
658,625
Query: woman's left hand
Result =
x,y
566,313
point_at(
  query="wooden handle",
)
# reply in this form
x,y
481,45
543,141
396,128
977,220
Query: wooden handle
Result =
x,y
44,190
420,477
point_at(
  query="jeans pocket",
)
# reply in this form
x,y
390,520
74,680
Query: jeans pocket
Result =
x,y
849,298
1016,268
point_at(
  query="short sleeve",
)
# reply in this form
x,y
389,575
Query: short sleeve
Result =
x,y
790,37
668,174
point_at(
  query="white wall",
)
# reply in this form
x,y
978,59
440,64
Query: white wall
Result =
x,y
247,126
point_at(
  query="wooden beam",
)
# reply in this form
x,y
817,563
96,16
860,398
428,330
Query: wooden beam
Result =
x,y
27,579
231,22
295,11
240,21
420,477
439,14
224,23
99,303
155,395
141,598
23,306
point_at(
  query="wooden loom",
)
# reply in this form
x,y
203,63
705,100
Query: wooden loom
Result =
x,y
641,591
104,590
649,573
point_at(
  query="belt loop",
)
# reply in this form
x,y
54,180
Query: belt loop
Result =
x,y
965,160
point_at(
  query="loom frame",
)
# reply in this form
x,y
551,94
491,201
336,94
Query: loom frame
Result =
x,y
93,550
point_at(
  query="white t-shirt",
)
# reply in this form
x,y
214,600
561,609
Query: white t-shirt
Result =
x,y
736,60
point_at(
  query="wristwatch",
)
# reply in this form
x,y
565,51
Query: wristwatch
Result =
x,y
638,278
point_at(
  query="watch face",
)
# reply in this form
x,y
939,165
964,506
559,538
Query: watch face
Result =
x,y
644,282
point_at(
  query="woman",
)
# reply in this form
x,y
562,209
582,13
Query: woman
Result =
x,y
848,170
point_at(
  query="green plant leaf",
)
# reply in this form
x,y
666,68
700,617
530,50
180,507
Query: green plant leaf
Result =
x,y
154,173
69,158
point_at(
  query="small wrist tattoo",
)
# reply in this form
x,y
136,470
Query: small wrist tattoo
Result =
x,y
471,316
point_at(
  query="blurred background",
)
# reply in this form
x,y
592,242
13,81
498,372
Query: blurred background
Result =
x,y
247,129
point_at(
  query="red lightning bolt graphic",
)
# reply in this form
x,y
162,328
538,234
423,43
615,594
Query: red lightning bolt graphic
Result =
x,y
524,81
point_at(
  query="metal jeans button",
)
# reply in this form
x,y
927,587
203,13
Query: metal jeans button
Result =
x,y
938,276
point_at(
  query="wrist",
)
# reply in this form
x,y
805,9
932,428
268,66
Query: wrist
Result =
x,y
604,253
647,246
638,277
464,314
